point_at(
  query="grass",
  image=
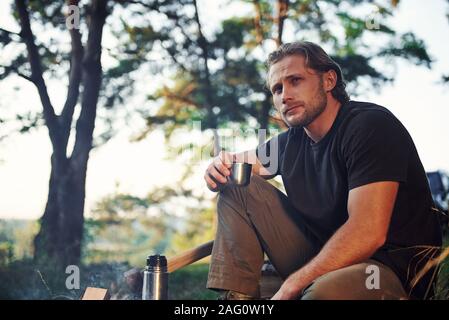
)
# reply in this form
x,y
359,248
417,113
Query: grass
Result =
x,y
442,288
23,280
189,283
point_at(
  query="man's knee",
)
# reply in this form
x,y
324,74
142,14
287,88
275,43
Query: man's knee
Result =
x,y
323,288
239,193
355,283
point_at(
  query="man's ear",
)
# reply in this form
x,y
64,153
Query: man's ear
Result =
x,y
329,80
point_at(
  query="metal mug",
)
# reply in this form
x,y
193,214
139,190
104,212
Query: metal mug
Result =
x,y
240,174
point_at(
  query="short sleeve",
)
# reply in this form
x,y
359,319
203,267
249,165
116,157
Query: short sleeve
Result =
x,y
376,147
270,153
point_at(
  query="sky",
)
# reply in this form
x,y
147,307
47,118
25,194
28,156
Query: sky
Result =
x,y
416,98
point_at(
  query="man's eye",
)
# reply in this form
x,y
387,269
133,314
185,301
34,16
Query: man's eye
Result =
x,y
277,90
296,80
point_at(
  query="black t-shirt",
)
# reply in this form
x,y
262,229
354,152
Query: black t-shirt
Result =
x,y
365,144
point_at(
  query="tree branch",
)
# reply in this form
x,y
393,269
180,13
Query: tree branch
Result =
x,y
153,6
74,81
160,119
173,96
24,76
282,8
202,42
175,60
258,22
13,68
37,73
10,32
92,76
171,15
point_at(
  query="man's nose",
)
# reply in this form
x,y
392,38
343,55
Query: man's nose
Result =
x,y
286,94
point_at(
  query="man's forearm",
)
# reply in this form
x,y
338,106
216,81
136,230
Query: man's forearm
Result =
x,y
349,245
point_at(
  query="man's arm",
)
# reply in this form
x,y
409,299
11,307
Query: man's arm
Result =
x,y
370,207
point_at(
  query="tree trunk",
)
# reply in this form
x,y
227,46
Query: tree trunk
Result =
x,y
264,115
60,237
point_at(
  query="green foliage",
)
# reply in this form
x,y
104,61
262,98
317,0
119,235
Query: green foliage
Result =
x,y
121,231
6,252
113,207
354,27
234,87
199,228
231,35
355,66
410,48
442,288
125,228
231,89
48,11
123,241
189,283
17,64
16,240
5,37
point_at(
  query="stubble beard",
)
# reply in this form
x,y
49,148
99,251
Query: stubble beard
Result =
x,y
311,111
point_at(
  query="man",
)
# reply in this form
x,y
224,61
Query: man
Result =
x,y
358,203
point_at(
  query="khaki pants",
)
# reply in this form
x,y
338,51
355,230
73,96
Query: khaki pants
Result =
x,y
259,219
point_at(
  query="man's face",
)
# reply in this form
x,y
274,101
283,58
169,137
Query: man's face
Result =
x,y
298,92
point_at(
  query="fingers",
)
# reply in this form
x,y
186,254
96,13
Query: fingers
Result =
x,y
218,170
218,174
225,158
211,183
221,166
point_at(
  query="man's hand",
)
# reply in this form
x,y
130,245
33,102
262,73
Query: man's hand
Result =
x,y
288,291
217,172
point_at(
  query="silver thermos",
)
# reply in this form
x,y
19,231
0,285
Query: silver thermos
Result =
x,y
155,279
